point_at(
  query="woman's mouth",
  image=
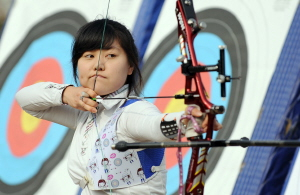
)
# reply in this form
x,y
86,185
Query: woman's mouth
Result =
x,y
98,76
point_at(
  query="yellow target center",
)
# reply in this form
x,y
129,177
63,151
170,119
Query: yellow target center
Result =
x,y
29,123
176,105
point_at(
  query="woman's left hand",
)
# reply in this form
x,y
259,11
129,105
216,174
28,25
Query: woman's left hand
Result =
x,y
200,117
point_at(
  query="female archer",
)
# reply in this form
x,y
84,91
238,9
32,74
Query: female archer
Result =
x,y
108,73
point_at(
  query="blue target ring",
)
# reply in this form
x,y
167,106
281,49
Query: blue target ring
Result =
x,y
17,170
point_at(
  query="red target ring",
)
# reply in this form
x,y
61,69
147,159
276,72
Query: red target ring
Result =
x,y
25,132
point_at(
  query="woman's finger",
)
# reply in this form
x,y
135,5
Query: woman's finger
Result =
x,y
91,93
87,107
196,112
192,110
90,102
217,125
205,123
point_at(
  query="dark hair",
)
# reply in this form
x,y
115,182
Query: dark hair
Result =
x,y
89,38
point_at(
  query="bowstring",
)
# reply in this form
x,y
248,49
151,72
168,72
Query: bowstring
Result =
x,y
94,114
101,46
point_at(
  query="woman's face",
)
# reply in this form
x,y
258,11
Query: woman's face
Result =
x,y
112,71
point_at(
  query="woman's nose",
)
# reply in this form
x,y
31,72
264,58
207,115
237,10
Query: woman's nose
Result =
x,y
99,65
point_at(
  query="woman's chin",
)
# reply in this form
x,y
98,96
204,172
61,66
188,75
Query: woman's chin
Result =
x,y
102,93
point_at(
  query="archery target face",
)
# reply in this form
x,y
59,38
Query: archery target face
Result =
x,y
162,79
32,147
165,78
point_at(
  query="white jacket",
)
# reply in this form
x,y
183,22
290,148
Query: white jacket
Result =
x,y
140,122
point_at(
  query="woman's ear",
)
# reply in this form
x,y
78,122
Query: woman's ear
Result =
x,y
130,70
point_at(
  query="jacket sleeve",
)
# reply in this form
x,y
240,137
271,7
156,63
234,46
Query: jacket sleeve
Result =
x,y
44,100
141,121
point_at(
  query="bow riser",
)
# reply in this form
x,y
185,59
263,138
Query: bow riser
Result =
x,y
187,33
188,29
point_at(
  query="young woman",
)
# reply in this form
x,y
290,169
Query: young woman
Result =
x,y
111,72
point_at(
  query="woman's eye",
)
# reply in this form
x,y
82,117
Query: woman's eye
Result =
x,y
111,56
89,56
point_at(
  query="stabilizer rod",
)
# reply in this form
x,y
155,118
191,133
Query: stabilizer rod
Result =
x,y
243,142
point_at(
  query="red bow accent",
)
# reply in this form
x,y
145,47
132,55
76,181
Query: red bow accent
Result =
x,y
188,28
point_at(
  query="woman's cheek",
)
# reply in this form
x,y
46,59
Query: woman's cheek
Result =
x,y
82,80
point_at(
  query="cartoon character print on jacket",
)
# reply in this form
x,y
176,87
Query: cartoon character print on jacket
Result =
x,y
114,138
129,155
102,183
140,173
93,165
127,177
105,164
114,169
97,145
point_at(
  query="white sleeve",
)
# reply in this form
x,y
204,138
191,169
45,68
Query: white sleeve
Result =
x,y
44,100
141,121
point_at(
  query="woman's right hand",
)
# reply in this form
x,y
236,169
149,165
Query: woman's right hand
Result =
x,y
73,97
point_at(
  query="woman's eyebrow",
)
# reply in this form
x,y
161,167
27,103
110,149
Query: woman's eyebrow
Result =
x,y
114,47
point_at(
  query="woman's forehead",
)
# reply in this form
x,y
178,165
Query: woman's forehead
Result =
x,y
115,44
